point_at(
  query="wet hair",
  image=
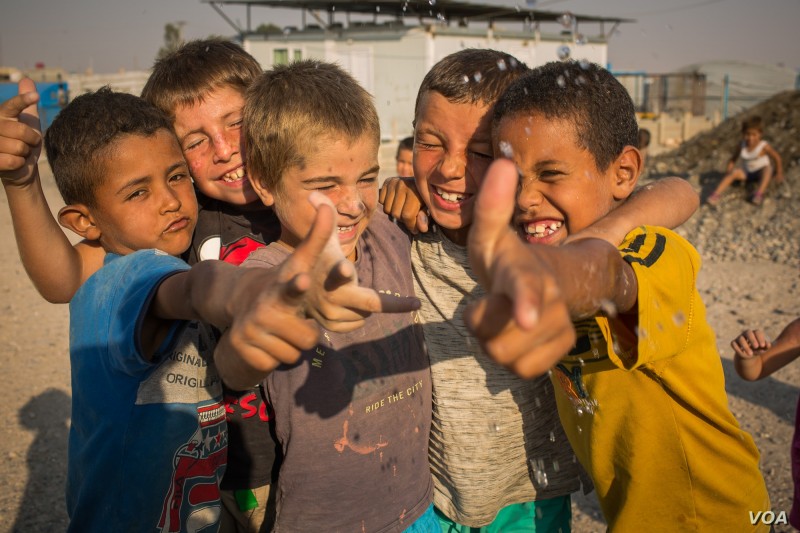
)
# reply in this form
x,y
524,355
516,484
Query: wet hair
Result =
x,y
585,94
405,144
81,139
186,76
471,76
644,138
287,110
753,123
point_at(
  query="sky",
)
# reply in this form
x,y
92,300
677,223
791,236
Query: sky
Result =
x,y
110,35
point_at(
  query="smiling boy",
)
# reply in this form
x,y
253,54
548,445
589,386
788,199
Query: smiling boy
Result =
x,y
641,395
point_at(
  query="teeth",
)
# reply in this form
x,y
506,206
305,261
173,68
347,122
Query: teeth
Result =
x,y
234,175
540,230
343,229
450,196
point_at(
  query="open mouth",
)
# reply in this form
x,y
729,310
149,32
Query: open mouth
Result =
x,y
541,229
451,199
234,176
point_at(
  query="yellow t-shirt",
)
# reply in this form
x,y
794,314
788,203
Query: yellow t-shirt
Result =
x,y
652,425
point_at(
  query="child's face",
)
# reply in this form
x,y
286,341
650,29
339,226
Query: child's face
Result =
x,y
208,133
751,137
452,150
561,190
343,170
405,168
146,199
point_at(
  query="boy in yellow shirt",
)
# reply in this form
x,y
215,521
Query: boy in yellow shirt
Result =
x,y
641,395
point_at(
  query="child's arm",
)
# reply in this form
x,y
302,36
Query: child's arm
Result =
x,y
401,201
533,292
756,358
771,152
733,159
668,202
40,239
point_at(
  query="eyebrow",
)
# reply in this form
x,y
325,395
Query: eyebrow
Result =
x,y
323,179
224,117
145,179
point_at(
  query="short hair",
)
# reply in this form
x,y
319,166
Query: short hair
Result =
x,y
289,107
405,144
583,93
753,123
186,76
471,76
644,138
80,139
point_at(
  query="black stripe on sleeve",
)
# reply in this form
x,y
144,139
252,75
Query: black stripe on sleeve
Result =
x,y
654,254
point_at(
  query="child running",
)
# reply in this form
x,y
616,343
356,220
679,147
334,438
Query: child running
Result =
x,y
641,395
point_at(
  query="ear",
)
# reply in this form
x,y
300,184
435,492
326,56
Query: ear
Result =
x,y
79,219
266,196
627,168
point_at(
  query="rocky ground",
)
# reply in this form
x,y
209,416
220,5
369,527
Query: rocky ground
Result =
x,y
749,279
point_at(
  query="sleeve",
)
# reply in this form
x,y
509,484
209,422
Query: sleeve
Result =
x,y
140,276
666,268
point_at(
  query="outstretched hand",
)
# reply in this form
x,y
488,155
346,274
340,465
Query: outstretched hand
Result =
x,y
335,299
20,135
523,321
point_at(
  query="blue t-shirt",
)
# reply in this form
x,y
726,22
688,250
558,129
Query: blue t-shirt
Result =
x,y
148,441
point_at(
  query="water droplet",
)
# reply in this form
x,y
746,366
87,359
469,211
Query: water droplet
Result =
x,y
579,410
552,436
377,9
537,401
563,52
580,80
287,30
494,427
465,78
440,18
556,466
530,3
641,333
660,326
432,2
501,64
527,131
506,150
513,62
608,308
581,361
580,430
477,77
585,64
566,19
539,513
560,81
580,39
679,318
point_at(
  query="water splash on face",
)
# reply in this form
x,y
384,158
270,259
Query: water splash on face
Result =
x,y
506,149
563,52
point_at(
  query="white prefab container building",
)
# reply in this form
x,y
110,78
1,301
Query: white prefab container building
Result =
x,y
393,44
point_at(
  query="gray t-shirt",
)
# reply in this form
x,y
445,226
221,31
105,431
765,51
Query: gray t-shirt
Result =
x,y
496,439
353,415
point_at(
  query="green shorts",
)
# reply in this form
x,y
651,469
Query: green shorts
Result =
x,y
542,516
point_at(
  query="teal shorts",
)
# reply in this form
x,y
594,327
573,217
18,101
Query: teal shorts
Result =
x,y
426,523
542,516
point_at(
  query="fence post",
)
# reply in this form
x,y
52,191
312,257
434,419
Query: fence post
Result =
x,y
725,85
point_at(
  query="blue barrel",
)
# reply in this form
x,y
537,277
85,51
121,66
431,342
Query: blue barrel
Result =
x,y
53,96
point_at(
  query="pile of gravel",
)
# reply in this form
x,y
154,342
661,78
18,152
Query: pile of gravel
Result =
x,y
736,230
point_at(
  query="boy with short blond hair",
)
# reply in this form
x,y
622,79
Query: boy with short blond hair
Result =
x,y
353,416
148,436
641,395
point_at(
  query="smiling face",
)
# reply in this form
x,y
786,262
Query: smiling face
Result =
x,y
561,190
208,133
343,170
405,168
146,199
452,150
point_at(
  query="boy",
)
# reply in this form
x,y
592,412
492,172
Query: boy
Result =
x,y
520,472
754,166
353,417
148,436
200,87
404,156
641,395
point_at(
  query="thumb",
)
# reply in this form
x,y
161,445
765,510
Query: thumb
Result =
x,y
307,252
24,102
493,210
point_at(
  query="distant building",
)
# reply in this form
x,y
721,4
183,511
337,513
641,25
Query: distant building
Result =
x,y
388,46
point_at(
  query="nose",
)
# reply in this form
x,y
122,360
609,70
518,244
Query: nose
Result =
x,y
350,202
170,201
528,195
453,165
224,147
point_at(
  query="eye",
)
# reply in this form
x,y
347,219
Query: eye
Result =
x,y
236,124
178,177
369,180
481,155
193,145
137,194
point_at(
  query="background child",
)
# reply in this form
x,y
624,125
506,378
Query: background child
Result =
x,y
641,396
148,436
753,158
359,403
403,158
755,357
